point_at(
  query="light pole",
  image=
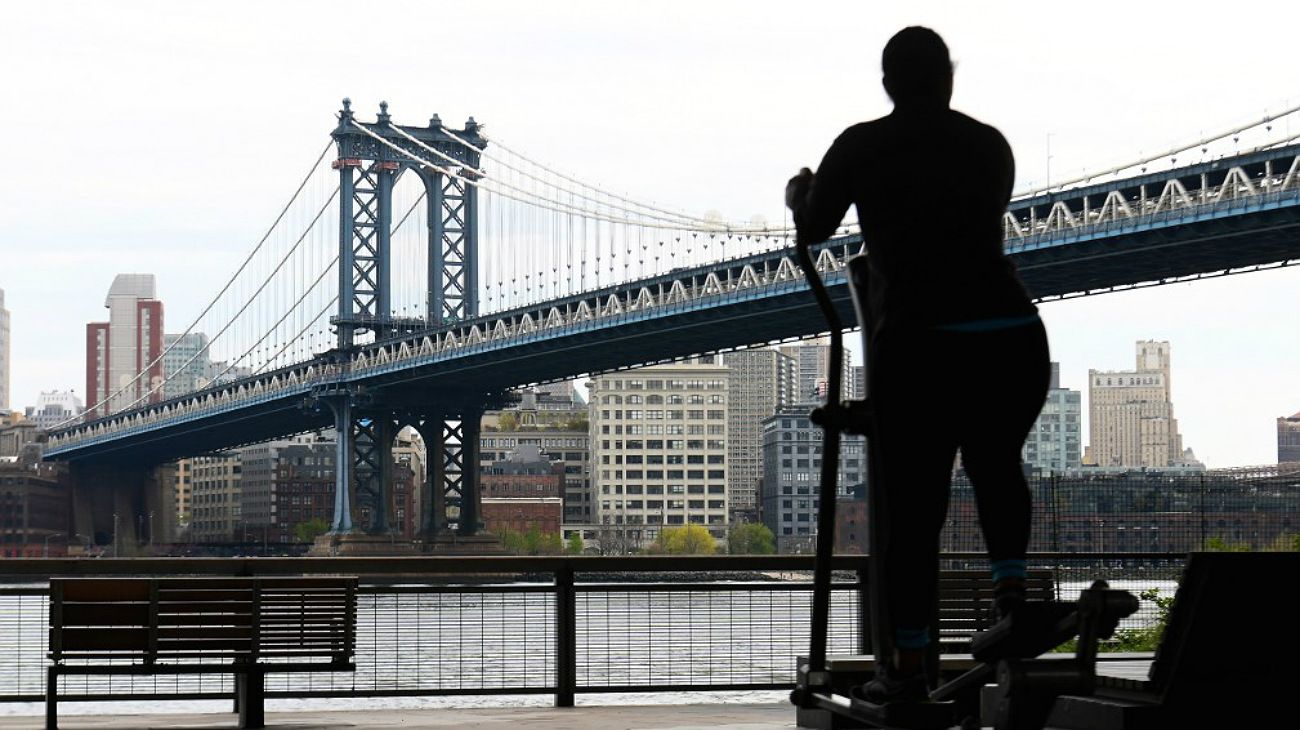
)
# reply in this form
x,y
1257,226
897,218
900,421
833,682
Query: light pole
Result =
x,y
116,551
1048,173
45,549
151,528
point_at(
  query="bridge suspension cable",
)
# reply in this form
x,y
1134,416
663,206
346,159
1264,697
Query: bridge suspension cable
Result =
x,y
483,180
275,224
248,302
637,206
1267,120
296,338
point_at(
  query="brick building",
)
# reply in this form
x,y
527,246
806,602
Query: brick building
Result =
x,y
35,511
524,491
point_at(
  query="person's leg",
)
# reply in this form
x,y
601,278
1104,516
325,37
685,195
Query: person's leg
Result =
x,y
1013,366
914,455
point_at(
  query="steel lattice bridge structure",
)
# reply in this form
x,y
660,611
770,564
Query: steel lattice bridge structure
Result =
x,y
521,274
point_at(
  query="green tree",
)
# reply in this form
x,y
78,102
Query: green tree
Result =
x,y
751,538
532,542
310,530
688,540
1144,638
1220,545
574,546
1286,543
507,421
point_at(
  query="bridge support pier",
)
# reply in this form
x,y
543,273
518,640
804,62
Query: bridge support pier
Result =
x,y
450,502
123,508
372,464
450,498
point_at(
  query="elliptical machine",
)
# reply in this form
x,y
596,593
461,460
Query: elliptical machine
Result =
x,y
1026,687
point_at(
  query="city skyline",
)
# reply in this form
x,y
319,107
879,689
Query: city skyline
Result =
x,y
1233,383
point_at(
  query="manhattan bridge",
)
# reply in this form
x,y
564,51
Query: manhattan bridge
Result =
x,y
461,269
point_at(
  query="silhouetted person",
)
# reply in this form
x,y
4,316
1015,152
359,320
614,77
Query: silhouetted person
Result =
x,y
957,354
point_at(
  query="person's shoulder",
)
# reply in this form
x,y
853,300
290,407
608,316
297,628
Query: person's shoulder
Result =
x,y
977,127
861,135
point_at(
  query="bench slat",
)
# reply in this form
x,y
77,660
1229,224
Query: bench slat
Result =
x,y
105,614
101,639
176,644
106,589
199,619
170,595
205,632
175,609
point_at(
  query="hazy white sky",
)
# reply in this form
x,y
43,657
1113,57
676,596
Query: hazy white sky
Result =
x,y
162,137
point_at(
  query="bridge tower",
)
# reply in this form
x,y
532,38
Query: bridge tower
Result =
x,y
367,421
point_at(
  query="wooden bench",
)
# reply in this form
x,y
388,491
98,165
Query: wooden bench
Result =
x,y
965,597
243,626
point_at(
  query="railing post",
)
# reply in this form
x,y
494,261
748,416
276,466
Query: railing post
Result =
x,y
566,630
864,610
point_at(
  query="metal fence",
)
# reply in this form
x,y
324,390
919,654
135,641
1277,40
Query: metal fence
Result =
x,y
1153,512
562,626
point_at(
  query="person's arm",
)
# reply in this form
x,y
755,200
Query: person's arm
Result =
x,y
820,201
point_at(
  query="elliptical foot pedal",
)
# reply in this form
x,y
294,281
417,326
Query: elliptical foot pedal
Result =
x,y
912,715
1033,628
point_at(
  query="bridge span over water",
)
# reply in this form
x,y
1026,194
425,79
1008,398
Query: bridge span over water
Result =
x,y
598,283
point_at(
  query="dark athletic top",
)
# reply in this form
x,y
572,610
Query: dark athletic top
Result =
x,y
931,185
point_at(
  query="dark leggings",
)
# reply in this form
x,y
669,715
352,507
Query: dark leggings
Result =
x,y
934,392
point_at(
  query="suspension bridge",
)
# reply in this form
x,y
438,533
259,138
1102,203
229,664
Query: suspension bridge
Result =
x,y
426,271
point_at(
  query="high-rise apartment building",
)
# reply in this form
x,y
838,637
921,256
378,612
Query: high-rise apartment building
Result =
x,y
54,407
760,382
1131,413
812,363
215,510
128,344
186,364
4,353
792,460
1288,439
659,449
1054,444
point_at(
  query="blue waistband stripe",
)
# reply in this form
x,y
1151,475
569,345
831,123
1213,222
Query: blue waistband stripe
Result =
x,y
1008,569
912,638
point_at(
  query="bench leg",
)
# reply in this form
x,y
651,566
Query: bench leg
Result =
x,y
250,693
52,699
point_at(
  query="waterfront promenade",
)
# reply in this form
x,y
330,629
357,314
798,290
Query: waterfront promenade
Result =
x,y
641,717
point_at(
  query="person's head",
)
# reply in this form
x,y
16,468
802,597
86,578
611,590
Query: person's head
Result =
x,y
917,67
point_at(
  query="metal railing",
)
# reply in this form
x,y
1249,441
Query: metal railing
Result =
x,y
545,625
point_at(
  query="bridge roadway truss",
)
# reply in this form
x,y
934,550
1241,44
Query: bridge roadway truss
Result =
x,y
1212,218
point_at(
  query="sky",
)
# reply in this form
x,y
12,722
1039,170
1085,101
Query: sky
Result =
x,y
163,137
